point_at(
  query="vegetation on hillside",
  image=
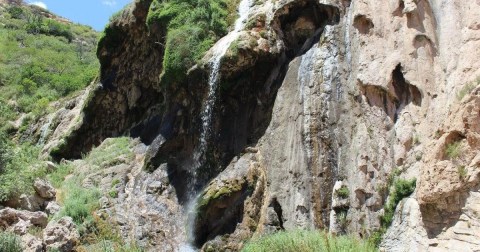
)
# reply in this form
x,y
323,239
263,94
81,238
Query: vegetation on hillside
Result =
x,y
10,242
193,26
307,241
43,59
80,201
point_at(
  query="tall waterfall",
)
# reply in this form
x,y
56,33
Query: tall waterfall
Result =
x,y
219,50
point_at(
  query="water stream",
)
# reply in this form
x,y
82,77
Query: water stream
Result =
x,y
219,50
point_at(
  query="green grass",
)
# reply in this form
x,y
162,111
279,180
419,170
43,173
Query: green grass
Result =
x,y
10,242
41,62
307,241
193,26
453,150
81,201
58,176
19,169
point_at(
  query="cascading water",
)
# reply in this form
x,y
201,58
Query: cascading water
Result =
x,y
219,51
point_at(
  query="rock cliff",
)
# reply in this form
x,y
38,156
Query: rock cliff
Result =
x,y
320,103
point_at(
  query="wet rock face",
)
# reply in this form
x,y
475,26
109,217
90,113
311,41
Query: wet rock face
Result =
x,y
330,97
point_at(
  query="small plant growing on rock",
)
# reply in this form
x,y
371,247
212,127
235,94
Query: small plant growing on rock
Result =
x,y
467,89
453,150
401,188
342,220
113,193
462,172
343,192
416,140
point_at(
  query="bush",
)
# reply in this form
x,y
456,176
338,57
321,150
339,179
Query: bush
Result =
x,y
79,202
10,242
453,150
401,188
343,192
192,28
306,241
19,170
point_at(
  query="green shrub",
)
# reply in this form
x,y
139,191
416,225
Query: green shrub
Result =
x,y
343,192
306,241
58,176
79,202
10,242
20,170
16,12
401,188
113,193
192,27
453,150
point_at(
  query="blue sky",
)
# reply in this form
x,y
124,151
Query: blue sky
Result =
x,y
89,12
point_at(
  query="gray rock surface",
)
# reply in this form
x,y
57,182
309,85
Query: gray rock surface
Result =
x,y
61,235
44,189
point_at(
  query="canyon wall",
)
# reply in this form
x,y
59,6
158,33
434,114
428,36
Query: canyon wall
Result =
x,y
320,96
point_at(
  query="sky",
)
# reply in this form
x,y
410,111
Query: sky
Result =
x,y
94,13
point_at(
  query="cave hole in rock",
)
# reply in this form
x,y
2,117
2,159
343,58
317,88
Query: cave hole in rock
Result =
x,y
363,24
278,210
303,21
396,97
399,11
220,216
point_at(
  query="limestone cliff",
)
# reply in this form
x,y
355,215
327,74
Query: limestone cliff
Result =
x,y
316,96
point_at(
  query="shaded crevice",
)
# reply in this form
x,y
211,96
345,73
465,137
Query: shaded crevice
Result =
x,y
394,99
363,24
219,216
278,210
300,21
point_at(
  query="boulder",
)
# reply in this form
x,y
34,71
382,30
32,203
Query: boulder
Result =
x,y
44,189
10,217
52,208
32,243
61,235
27,202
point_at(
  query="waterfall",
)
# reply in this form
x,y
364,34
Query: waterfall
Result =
x,y
218,51
45,130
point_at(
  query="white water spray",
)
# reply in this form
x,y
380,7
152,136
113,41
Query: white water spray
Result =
x,y
219,51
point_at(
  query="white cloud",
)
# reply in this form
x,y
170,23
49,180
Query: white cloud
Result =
x,y
39,4
109,2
